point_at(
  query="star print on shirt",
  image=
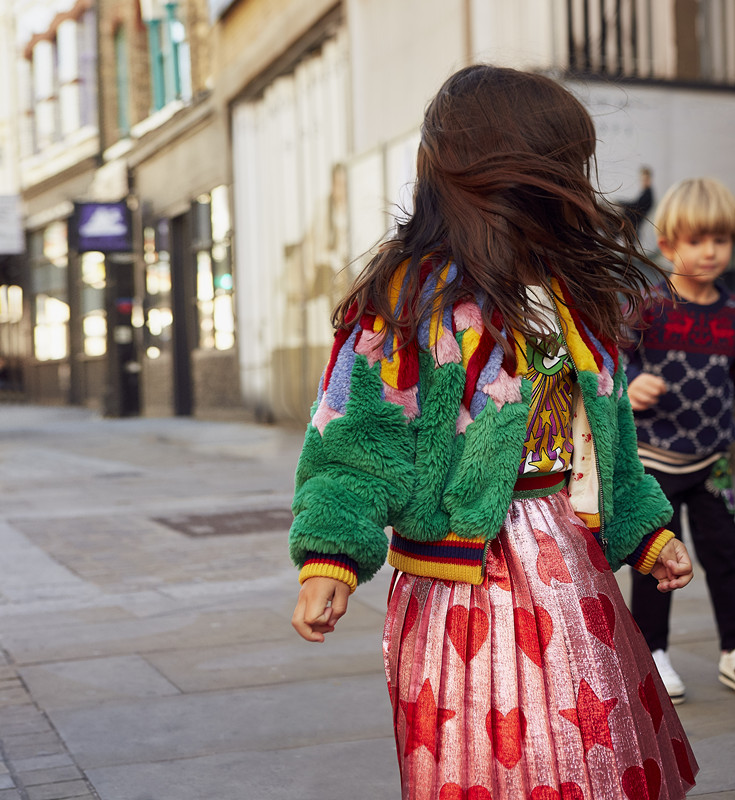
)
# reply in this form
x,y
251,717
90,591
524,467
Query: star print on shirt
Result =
x,y
423,719
590,716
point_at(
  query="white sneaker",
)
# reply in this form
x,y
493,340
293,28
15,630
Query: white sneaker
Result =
x,y
672,682
727,669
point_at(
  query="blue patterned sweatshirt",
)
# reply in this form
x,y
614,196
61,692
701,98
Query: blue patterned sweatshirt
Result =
x,y
692,347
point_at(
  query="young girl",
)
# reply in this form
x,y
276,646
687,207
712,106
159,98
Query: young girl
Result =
x,y
474,401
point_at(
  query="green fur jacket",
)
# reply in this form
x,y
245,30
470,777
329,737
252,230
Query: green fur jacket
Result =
x,y
428,439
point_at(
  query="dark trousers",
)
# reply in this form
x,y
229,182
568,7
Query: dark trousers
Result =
x,y
713,536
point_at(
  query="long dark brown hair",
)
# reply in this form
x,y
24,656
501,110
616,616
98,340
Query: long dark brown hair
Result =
x,y
503,190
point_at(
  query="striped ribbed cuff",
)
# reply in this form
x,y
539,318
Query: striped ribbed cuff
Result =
x,y
339,567
644,556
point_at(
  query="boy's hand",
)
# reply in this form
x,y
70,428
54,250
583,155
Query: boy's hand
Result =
x,y
322,601
673,567
644,391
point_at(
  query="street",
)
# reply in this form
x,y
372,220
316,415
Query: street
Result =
x,y
146,651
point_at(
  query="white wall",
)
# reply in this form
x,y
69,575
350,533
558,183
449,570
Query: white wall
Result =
x,y
679,133
400,53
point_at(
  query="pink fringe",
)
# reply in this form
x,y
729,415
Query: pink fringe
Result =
x,y
371,346
404,397
504,389
323,415
468,315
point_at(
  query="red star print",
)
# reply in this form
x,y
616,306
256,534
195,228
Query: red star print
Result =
x,y
590,716
423,719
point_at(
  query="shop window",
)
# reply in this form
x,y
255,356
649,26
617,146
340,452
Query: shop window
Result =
x,y
157,313
50,331
12,339
48,250
212,244
11,304
94,318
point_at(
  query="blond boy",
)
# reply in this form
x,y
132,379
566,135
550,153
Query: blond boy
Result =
x,y
681,389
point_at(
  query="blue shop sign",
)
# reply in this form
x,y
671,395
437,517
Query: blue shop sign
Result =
x,y
103,226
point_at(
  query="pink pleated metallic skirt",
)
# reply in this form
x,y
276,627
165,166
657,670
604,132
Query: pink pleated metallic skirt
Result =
x,y
536,685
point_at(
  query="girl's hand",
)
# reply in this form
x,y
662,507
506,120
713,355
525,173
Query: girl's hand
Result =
x,y
644,391
322,601
673,567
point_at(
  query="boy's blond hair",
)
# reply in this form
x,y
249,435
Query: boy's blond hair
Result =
x,y
695,206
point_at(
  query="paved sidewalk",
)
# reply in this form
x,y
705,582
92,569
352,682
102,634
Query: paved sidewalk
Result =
x,y
146,651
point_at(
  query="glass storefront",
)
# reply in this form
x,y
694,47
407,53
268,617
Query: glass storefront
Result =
x,y
94,317
214,285
49,259
157,313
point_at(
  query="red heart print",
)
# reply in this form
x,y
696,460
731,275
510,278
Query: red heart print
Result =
x,y
452,791
682,761
651,701
568,791
642,783
467,630
550,562
653,777
594,551
533,632
412,613
496,570
506,732
599,617
544,793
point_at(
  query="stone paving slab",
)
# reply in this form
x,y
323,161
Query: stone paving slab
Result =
x,y
710,754
267,663
176,630
264,718
84,682
365,769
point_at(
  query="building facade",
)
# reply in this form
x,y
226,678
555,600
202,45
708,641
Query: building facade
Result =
x,y
255,151
117,137
325,125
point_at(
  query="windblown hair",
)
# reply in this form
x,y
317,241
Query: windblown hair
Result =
x,y
693,207
503,189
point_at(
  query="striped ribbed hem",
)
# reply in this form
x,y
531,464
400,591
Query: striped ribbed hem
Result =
x,y
592,521
644,556
320,565
673,463
528,486
453,558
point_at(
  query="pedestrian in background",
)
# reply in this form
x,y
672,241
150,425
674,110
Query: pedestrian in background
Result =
x,y
637,210
474,401
681,390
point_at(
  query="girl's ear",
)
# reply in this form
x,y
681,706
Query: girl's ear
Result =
x,y
667,248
